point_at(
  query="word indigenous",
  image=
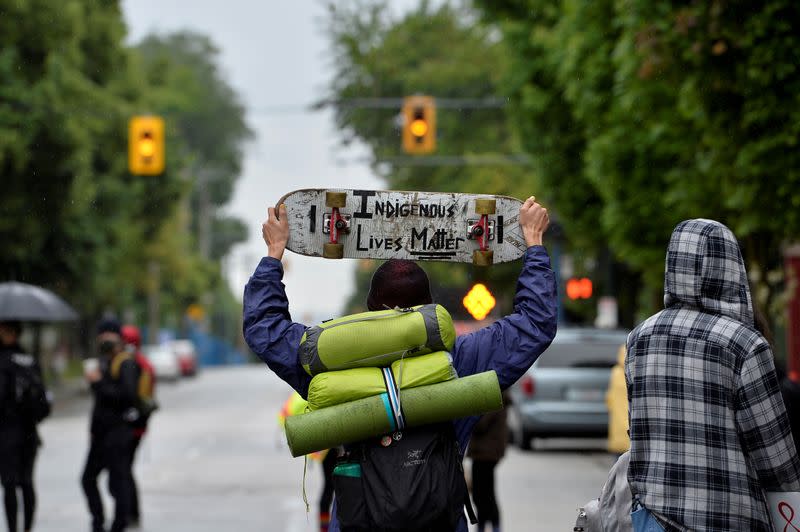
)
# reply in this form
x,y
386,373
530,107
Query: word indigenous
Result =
x,y
422,239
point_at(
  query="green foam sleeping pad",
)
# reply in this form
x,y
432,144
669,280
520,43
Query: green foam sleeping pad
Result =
x,y
376,339
336,387
364,418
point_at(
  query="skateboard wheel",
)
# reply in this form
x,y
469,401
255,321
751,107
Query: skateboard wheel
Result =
x,y
485,206
483,258
336,199
333,251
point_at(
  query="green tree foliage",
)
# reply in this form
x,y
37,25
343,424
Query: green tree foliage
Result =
x,y
71,216
657,111
438,51
208,123
70,211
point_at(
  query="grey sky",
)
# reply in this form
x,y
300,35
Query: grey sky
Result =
x,y
275,54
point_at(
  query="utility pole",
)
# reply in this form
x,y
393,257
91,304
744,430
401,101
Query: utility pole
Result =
x,y
792,267
205,214
153,301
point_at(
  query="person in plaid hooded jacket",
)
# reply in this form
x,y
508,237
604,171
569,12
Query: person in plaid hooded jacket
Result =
x,y
709,431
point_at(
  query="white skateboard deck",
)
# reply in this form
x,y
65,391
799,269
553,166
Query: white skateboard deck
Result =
x,y
384,224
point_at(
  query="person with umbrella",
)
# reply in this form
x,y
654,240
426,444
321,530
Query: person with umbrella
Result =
x,y
23,404
23,399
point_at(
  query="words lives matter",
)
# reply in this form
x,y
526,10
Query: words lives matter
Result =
x,y
423,238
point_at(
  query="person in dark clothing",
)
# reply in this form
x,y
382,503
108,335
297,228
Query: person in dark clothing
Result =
x,y
326,499
486,448
132,338
112,437
19,437
790,389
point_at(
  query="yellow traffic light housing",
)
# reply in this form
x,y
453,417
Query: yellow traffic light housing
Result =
x,y
146,145
479,302
419,125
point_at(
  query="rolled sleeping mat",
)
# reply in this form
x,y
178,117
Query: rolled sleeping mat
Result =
x,y
372,416
376,339
337,387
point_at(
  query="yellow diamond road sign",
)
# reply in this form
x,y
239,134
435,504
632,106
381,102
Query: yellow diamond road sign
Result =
x,y
479,302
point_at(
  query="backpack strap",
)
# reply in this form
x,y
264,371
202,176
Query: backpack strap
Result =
x,y
470,511
145,388
116,364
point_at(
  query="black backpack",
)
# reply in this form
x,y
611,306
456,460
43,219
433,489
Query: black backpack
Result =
x,y
29,401
410,480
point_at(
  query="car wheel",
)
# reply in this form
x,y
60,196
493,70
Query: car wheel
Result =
x,y
520,438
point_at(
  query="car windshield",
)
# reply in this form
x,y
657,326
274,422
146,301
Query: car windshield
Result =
x,y
580,355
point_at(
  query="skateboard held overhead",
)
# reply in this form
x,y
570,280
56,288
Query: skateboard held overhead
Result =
x,y
383,224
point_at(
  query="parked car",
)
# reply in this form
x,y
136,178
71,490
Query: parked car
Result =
x,y
564,393
164,361
187,356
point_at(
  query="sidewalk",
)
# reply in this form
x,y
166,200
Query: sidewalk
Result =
x,y
68,394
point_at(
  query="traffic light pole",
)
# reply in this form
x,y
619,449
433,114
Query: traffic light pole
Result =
x,y
491,102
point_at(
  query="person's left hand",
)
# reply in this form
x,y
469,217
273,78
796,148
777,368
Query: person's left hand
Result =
x,y
276,232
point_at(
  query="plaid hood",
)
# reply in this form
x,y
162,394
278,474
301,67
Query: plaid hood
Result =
x,y
708,428
705,271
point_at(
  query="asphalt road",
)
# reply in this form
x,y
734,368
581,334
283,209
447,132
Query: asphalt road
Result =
x,y
215,460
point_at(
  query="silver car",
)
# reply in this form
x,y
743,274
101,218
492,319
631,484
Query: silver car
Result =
x,y
564,393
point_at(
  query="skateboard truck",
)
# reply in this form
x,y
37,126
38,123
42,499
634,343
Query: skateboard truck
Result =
x,y
341,223
335,224
483,232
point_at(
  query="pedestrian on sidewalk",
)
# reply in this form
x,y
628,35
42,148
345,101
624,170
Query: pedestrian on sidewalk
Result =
x,y
509,346
617,403
132,339
708,428
487,446
296,405
23,404
114,386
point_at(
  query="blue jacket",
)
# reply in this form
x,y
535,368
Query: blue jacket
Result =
x,y
509,346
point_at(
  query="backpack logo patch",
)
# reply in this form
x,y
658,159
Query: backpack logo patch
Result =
x,y
414,458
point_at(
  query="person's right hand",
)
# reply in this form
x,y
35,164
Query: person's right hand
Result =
x,y
276,232
534,220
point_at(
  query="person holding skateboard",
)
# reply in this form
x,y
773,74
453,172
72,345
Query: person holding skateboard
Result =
x,y
509,346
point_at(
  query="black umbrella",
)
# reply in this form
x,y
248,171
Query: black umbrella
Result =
x,y
26,302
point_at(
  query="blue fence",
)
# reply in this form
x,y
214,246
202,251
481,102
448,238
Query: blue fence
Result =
x,y
211,350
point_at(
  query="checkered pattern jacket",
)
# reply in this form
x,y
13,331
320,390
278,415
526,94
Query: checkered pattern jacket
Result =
x,y
709,431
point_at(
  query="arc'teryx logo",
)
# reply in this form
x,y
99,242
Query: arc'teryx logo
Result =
x,y
414,458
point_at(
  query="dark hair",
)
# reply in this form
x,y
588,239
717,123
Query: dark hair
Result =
x,y
13,326
109,325
762,325
399,283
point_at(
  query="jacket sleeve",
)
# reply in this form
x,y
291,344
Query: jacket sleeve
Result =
x,y
122,394
763,423
4,386
268,327
511,345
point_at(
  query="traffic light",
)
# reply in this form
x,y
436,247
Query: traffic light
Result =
x,y
479,302
579,288
419,124
146,145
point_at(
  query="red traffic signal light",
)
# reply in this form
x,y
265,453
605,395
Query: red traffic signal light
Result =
x,y
579,288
